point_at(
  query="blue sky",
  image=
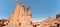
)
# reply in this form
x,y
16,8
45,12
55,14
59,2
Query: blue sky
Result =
x,y
41,9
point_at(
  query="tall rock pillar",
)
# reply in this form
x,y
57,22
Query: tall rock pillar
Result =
x,y
17,14
20,16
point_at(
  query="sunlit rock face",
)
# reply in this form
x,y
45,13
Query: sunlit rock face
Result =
x,y
20,17
43,24
49,22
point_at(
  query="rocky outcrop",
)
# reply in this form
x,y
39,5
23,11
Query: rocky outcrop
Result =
x,y
3,22
58,17
49,22
22,17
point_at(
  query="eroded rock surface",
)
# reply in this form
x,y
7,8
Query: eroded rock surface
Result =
x,y
22,17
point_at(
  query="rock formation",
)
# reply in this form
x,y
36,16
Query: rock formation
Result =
x,y
49,22
22,17
3,22
58,17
